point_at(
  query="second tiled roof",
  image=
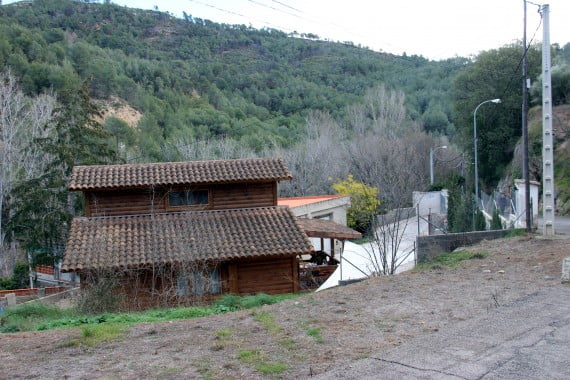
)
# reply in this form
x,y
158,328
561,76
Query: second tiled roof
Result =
x,y
143,240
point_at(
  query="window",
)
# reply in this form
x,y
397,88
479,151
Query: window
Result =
x,y
187,198
182,288
199,283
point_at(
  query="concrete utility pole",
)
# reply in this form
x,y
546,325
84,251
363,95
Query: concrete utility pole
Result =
x,y
547,138
525,86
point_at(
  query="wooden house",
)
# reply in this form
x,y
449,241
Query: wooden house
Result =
x,y
177,232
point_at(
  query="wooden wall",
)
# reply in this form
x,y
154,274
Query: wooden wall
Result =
x,y
271,276
147,201
145,288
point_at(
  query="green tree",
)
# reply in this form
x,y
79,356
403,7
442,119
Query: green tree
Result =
x,y
364,203
493,74
44,206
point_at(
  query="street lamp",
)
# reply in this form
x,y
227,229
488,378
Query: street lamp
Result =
x,y
475,143
431,157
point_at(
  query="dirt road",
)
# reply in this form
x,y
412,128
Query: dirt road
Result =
x,y
308,336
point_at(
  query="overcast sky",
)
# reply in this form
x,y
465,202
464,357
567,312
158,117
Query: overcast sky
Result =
x,y
436,29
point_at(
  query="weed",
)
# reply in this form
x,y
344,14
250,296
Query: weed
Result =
x,y
94,335
315,333
205,371
223,334
288,343
267,320
271,368
233,302
451,259
35,316
222,339
25,317
515,232
166,371
258,360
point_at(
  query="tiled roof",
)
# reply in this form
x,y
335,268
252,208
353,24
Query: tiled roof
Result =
x,y
178,173
327,229
302,201
139,240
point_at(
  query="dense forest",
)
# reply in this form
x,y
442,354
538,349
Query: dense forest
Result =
x,y
195,89
198,79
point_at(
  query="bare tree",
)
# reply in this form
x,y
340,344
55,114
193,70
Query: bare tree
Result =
x,y
386,109
214,149
390,153
22,120
317,161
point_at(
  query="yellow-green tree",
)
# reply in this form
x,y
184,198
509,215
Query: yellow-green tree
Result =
x,y
364,202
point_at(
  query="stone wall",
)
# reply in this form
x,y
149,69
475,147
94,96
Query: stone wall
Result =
x,y
429,247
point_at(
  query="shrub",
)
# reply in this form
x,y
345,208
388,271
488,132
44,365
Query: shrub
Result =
x,y
364,203
101,296
496,223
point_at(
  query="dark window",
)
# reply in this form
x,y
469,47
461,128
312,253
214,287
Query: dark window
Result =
x,y
198,283
188,198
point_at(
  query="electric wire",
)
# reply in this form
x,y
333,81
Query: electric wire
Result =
x,y
241,15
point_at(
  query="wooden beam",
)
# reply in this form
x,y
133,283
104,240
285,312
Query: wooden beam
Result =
x,y
233,272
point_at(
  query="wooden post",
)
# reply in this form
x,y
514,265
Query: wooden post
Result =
x,y
295,264
233,273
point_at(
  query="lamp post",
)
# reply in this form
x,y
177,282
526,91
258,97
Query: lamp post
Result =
x,y
431,159
475,143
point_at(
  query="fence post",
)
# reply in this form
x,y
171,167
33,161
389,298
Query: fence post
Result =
x,y
418,215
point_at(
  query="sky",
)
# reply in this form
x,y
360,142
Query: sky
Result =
x,y
435,29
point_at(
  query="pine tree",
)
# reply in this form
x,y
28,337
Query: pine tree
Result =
x,y
44,205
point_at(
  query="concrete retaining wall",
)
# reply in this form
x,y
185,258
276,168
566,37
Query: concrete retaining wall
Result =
x,y
429,247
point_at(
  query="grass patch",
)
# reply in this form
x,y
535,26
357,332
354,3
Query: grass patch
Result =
x,y
315,333
35,316
222,340
223,334
232,302
28,316
515,232
94,335
268,321
258,360
451,259
288,343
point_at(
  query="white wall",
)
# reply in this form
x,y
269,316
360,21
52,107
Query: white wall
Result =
x,y
431,200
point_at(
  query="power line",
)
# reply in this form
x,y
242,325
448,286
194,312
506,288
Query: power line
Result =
x,y
240,15
286,6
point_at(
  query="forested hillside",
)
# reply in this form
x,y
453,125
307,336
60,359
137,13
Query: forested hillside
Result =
x,y
86,83
198,79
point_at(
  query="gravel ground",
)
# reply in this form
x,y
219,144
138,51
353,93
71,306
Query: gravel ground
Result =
x,y
303,337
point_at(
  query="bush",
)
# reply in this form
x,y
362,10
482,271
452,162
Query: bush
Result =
x,y
364,203
100,297
480,224
21,275
7,283
496,223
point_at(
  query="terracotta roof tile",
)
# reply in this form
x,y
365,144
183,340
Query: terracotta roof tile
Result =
x,y
177,173
138,240
327,229
307,200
